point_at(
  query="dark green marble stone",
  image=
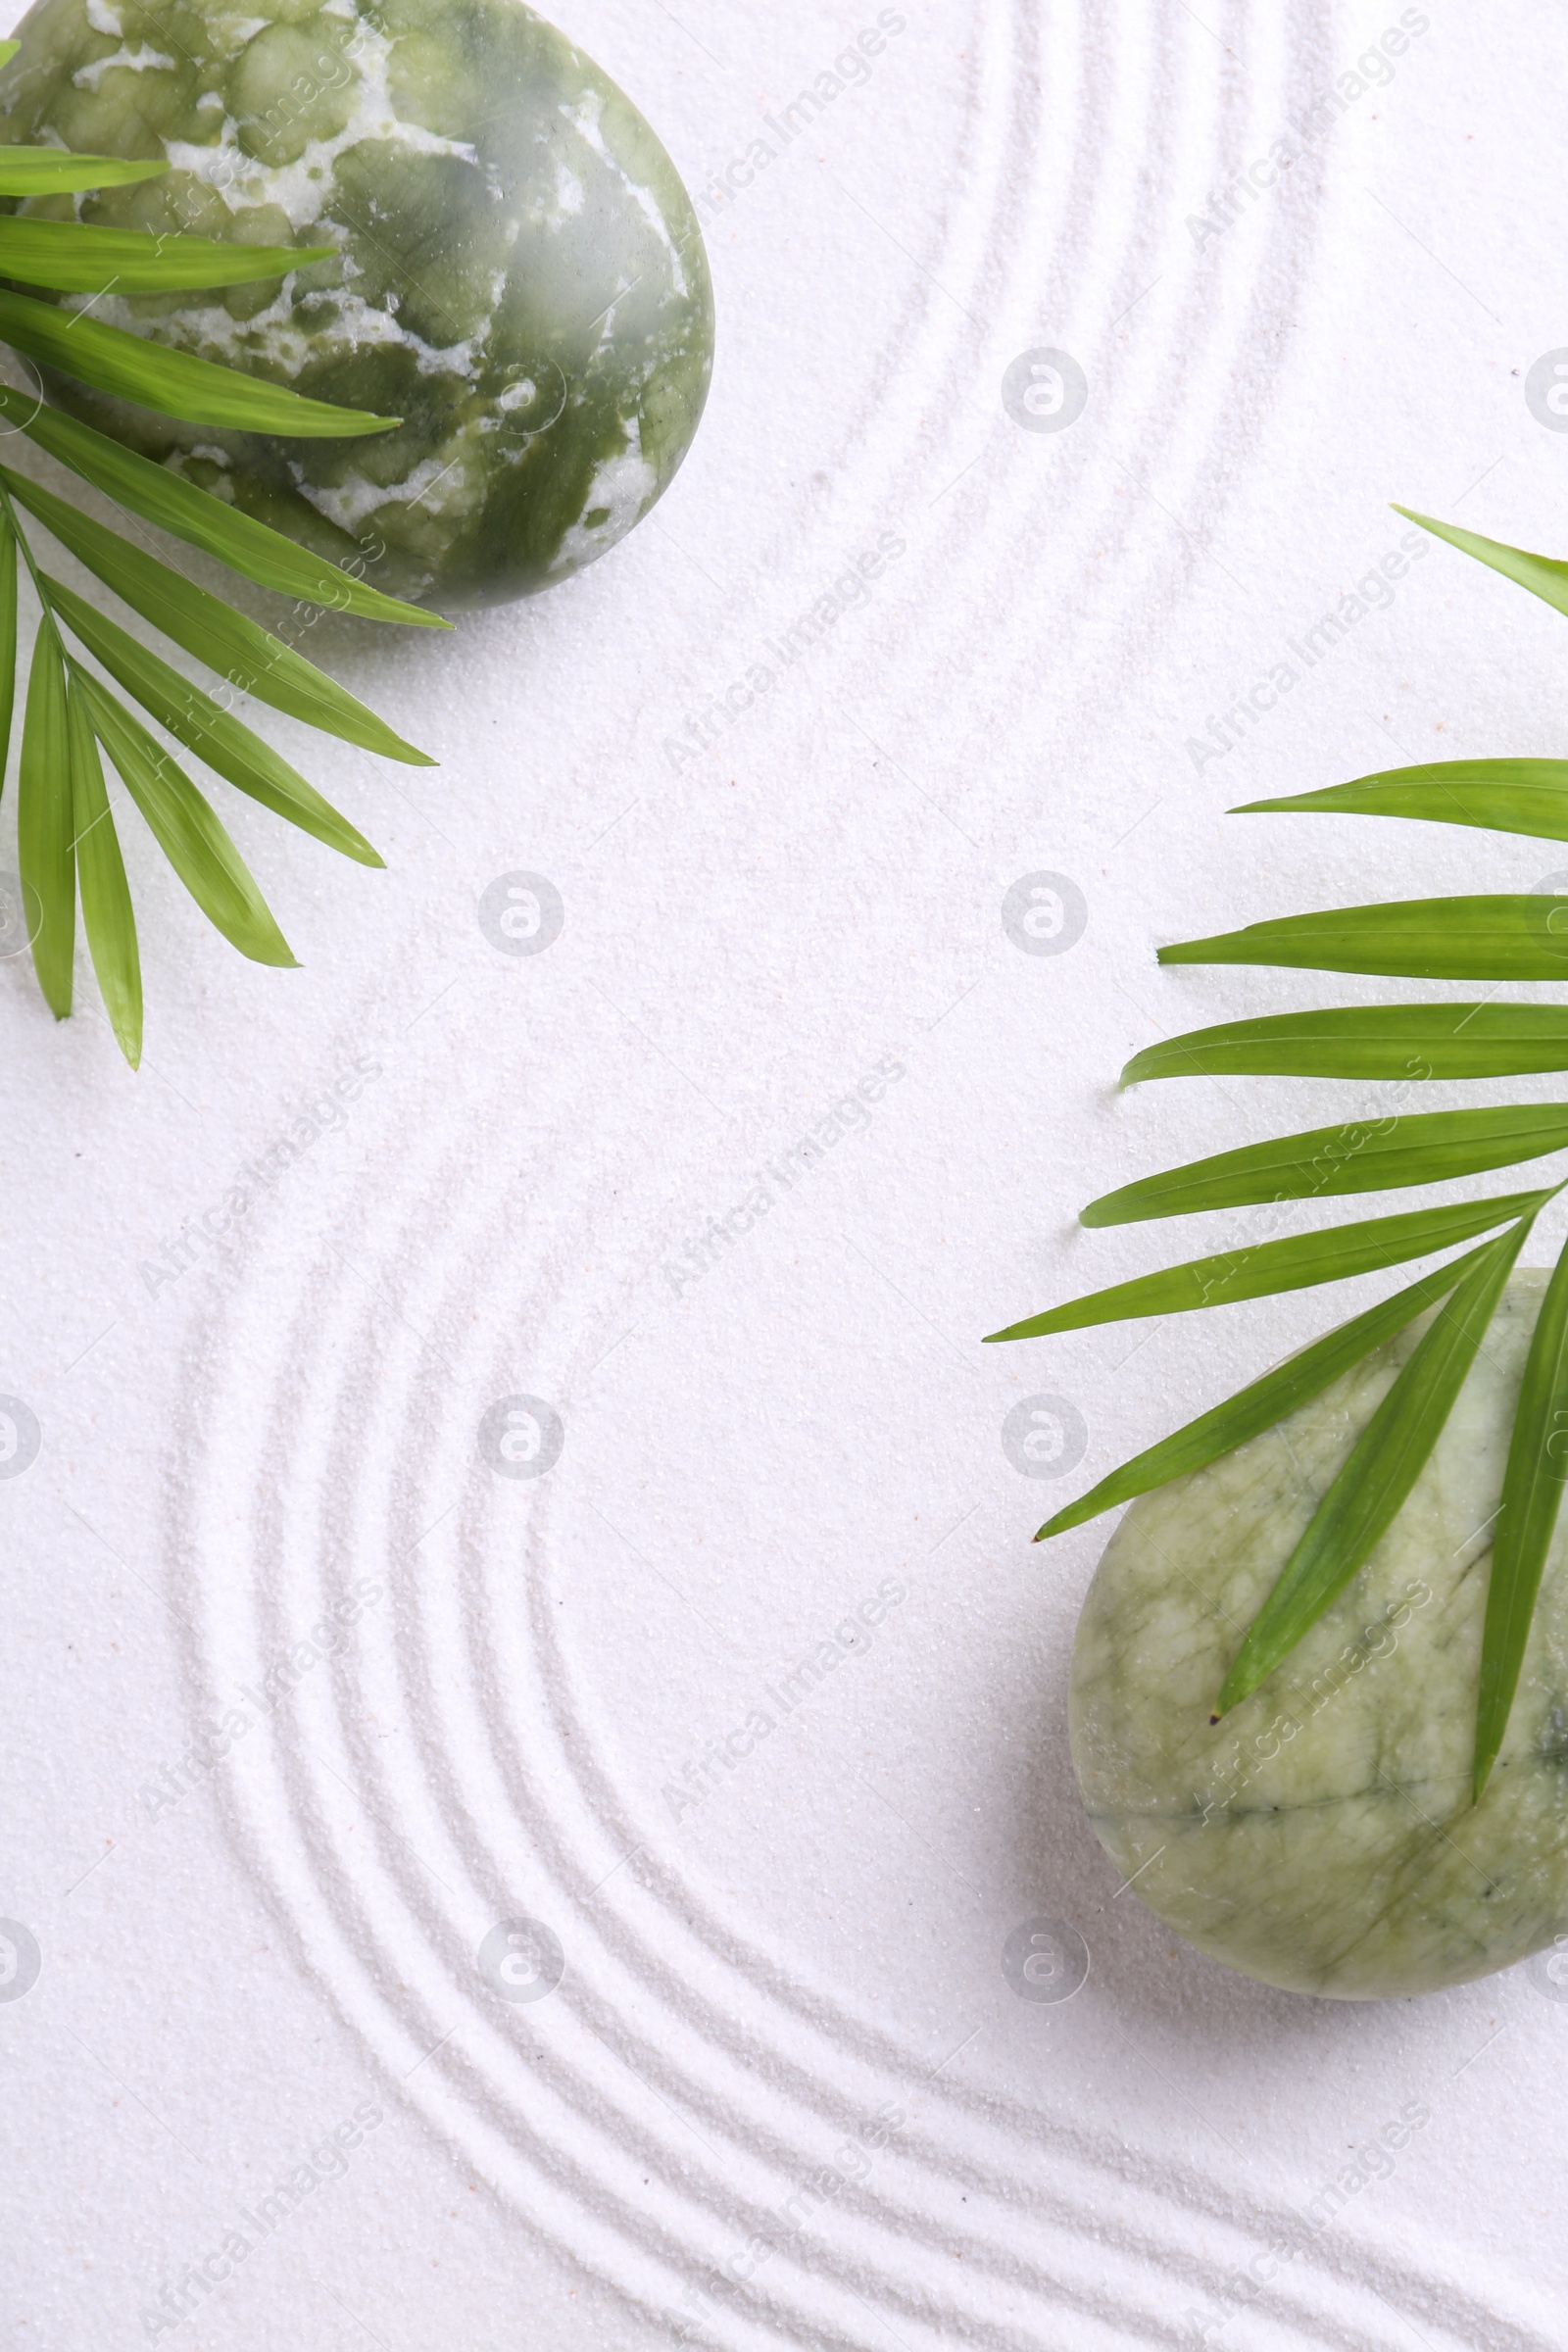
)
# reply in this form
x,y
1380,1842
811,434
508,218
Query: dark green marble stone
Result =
x,y
521,277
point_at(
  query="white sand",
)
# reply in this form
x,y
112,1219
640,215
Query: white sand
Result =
x,y
750,1455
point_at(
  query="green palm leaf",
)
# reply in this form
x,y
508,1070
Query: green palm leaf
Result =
x,y
55,171
1252,1410
187,831
1401,1042
1383,1465
45,822
1359,1156
263,554
1494,937
1296,1263
1506,937
105,910
1540,574
73,257
66,829
175,382
193,719
8,636
1532,1494
235,646
1505,796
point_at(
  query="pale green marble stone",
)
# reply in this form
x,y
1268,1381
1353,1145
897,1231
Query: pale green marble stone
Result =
x,y
519,274
1321,1837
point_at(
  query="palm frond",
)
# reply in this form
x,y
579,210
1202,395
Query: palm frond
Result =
x,y
1404,1042
175,382
67,837
45,822
107,915
1267,1402
1500,796
238,647
187,829
1532,1494
1383,1465
71,258
1358,1155
1497,938
193,515
226,745
1263,1269
56,171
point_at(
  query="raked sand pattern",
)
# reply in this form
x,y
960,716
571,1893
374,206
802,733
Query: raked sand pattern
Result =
x,y
789,2067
